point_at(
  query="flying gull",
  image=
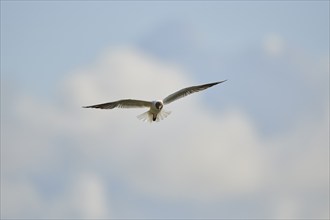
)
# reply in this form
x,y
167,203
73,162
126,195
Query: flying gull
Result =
x,y
156,111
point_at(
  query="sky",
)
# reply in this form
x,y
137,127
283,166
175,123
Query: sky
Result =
x,y
256,146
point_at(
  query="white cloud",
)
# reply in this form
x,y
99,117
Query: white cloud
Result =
x,y
300,171
169,163
90,197
20,199
273,44
85,197
204,160
195,154
123,73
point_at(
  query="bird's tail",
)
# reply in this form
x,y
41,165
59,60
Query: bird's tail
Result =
x,y
163,114
149,117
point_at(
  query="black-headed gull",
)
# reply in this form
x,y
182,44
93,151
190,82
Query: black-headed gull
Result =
x,y
156,112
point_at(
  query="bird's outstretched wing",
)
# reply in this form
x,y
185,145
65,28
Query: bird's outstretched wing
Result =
x,y
187,91
125,103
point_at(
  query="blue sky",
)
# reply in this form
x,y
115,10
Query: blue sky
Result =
x,y
256,146
66,35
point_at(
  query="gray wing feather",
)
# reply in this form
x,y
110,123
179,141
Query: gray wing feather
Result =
x,y
187,91
125,103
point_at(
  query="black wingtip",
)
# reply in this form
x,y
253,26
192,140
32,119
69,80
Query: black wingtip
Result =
x,y
222,81
216,83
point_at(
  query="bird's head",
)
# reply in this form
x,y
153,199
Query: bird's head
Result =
x,y
159,105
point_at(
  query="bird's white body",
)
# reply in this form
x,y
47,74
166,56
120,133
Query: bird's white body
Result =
x,y
156,111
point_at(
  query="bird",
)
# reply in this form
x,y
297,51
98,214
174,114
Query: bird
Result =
x,y
156,112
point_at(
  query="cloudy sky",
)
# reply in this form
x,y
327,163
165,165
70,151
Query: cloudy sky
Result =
x,y
256,146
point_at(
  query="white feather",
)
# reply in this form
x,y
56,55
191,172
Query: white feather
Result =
x,y
148,116
162,115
